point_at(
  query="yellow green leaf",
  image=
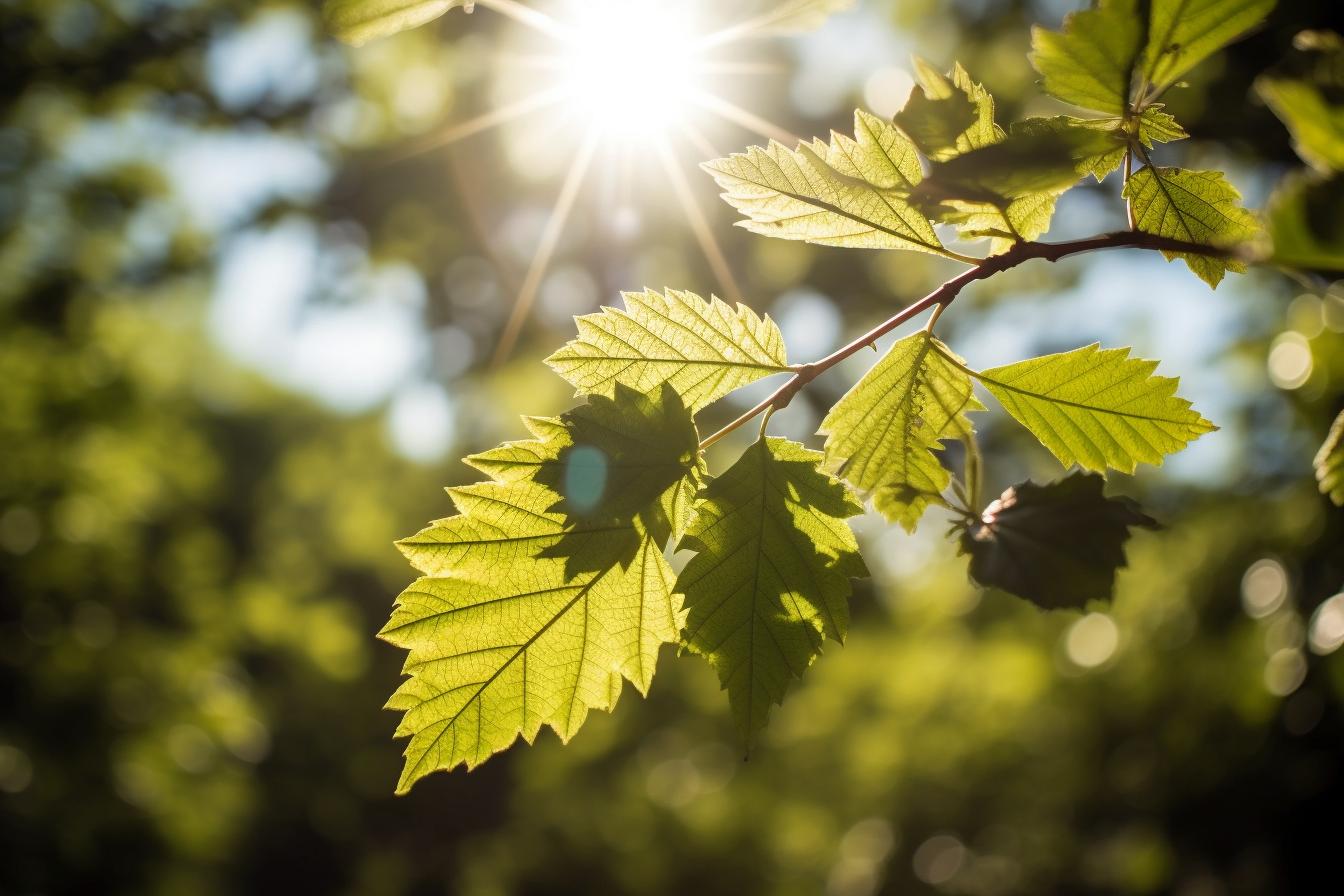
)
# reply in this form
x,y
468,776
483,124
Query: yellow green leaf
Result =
x,y
1194,206
770,579
880,437
1097,408
704,350
851,192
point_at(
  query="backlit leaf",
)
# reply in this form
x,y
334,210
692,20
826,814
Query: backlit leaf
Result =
x,y
1091,63
1330,462
359,21
1195,206
1306,91
947,115
852,192
550,584
1097,408
770,579
882,434
1183,33
1057,545
704,350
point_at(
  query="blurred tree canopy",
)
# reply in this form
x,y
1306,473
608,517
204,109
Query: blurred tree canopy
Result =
x,y
196,510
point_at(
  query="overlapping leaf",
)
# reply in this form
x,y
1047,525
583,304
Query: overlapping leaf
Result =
x,y
851,192
549,586
770,579
1194,206
1007,190
1091,63
359,21
704,350
1183,33
1330,462
882,434
1097,408
947,115
1057,545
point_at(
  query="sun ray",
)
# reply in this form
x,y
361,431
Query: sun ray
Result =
x,y
699,142
525,15
749,120
483,122
564,204
746,28
699,226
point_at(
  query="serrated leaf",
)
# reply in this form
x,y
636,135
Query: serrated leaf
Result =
x,y
1195,206
540,597
848,193
1105,154
1097,408
1091,62
1056,545
704,350
1099,159
770,579
1183,33
358,21
1330,462
1007,190
947,115
880,437
1156,126
497,652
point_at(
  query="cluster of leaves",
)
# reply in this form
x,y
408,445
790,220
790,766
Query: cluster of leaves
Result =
x,y
550,586
1306,213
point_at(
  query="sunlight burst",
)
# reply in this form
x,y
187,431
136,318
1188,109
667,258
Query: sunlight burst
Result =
x,y
632,77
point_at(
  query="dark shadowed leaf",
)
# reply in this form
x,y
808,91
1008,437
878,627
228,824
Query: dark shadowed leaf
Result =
x,y
1056,545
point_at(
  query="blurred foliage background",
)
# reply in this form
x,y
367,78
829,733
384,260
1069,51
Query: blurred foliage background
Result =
x,y
245,324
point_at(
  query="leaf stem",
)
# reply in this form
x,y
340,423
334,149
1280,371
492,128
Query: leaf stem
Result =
x,y
948,291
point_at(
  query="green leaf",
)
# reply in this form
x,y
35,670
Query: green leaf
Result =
x,y
1156,126
1007,190
1097,408
1091,64
1306,223
882,434
770,579
1056,545
1105,152
1306,91
550,585
1330,462
359,21
1195,206
852,192
499,651
947,115
1183,33
1098,158
610,461
704,350
1317,126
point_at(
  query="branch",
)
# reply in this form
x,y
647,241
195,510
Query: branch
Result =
x,y
943,296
